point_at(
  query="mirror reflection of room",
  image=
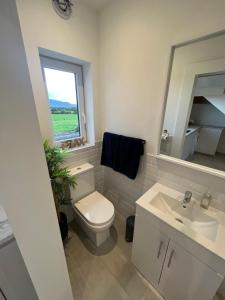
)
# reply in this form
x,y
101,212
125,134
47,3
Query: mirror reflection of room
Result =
x,y
205,134
194,121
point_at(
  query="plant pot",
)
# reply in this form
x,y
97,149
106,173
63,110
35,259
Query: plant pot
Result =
x,y
63,225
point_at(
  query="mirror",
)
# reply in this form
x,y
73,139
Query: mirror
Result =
x,y
194,121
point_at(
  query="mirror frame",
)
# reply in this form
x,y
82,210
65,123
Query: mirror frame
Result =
x,y
177,161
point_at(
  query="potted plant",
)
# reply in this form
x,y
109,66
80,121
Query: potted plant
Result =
x,y
61,181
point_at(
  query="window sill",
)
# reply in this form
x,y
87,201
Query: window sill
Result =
x,y
80,148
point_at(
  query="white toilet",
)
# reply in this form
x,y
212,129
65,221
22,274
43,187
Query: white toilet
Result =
x,y
93,212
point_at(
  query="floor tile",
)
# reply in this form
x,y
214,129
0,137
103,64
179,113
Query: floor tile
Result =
x,y
105,273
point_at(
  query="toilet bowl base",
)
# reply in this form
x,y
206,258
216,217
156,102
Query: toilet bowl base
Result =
x,y
97,237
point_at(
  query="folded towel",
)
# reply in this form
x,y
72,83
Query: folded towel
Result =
x,y
110,148
122,153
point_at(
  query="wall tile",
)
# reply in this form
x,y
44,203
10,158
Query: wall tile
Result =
x,y
123,192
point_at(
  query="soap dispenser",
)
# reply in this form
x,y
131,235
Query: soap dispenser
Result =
x,y
205,202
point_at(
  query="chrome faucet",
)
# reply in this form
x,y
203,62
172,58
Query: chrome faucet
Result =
x,y
187,198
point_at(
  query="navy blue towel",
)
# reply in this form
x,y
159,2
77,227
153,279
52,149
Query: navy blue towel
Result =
x,y
122,153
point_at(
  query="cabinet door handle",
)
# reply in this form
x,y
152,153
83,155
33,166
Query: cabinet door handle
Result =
x,y
3,295
160,249
170,258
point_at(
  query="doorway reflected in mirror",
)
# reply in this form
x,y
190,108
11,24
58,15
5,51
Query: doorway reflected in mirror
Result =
x,y
205,132
194,121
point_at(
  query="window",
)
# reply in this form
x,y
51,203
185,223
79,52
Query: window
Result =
x,y
64,83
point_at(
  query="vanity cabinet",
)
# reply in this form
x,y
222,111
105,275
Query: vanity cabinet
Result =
x,y
151,244
208,140
190,144
173,271
6,291
15,282
185,277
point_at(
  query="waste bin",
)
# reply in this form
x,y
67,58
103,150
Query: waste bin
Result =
x,y
130,228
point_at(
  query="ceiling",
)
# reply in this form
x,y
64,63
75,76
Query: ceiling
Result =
x,y
96,4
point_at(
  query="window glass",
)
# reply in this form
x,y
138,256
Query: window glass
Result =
x,y
63,102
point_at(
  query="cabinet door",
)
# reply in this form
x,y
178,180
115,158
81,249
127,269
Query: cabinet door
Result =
x,y
14,278
185,277
6,291
149,248
2,295
208,140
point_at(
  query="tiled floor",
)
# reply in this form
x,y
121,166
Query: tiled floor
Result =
x,y
106,273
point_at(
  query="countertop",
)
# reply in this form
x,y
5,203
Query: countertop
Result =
x,y
6,240
6,233
192,129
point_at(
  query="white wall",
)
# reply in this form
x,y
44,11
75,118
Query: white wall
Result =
x,y
218,102
76,37
24,181
207,115
136,37
212,88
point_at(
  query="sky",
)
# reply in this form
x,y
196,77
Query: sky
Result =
x,y
60,85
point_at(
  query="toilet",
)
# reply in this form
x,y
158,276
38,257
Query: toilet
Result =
x,y
93,212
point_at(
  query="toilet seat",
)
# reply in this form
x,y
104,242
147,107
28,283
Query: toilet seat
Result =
x,y
96,210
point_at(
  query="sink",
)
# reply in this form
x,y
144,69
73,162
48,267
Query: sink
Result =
x,y
201,232
179,246
191,216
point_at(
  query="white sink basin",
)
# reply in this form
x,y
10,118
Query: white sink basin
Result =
x,y
200,231
192,216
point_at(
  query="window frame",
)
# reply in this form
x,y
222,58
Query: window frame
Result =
x,y
77,70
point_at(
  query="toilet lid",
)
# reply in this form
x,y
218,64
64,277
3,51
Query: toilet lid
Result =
x,y
96,209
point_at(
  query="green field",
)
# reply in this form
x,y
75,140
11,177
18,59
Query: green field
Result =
x,y
64,122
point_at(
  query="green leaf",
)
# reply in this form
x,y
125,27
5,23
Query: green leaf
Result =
x,y
61,179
